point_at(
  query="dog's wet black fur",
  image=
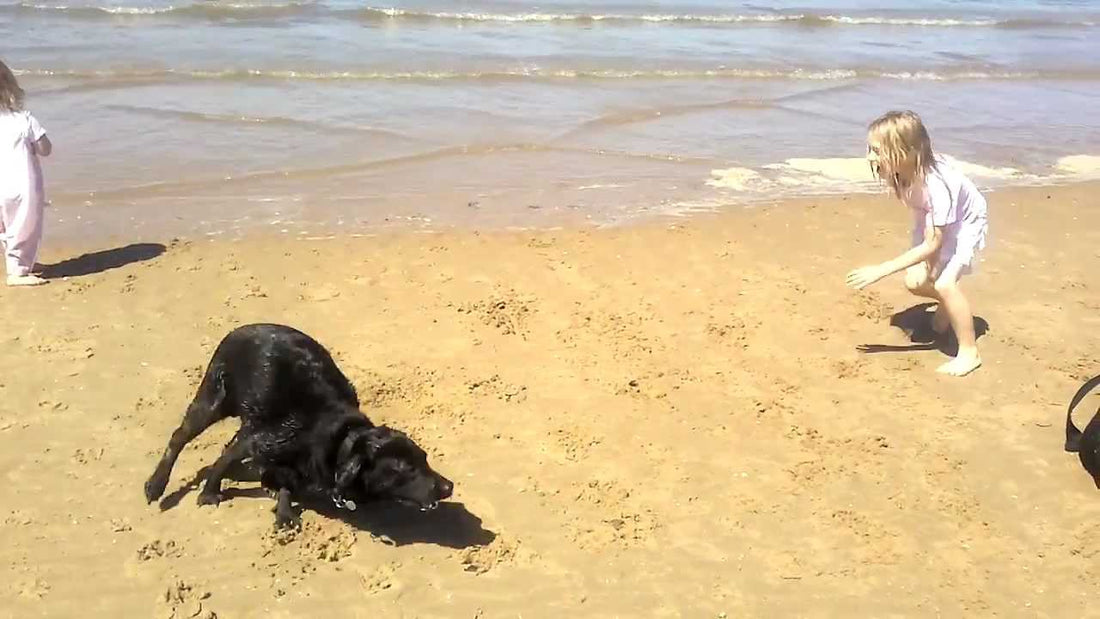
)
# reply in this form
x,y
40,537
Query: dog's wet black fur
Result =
x,y
301,428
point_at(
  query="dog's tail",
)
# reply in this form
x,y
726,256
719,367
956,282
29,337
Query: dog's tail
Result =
x,y
1073,435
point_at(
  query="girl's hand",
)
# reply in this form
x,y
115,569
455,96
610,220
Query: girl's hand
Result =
x,y
865,276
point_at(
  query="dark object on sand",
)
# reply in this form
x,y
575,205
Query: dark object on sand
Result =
x,y
301,427
1085,443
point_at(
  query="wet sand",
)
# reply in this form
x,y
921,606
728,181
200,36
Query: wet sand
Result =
x,y
688,417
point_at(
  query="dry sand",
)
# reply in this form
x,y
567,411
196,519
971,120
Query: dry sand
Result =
x,y
668,420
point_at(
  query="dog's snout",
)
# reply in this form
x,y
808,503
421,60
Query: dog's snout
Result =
x,y
446,487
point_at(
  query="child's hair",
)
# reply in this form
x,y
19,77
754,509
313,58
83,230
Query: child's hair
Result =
x,y
904,148
11,95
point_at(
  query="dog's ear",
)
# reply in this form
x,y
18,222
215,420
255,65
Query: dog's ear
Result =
x,y
376,438
348,471
359,447
357,451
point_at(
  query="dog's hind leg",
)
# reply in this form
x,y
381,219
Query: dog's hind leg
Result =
x,y
205,410
233,453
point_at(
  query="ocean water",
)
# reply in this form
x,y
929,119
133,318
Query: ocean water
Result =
x,y
206,117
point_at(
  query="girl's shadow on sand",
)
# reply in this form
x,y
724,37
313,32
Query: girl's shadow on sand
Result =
x,y
450,524
916,323
103,260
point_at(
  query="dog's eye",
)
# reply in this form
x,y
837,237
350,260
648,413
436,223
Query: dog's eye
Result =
x,y
396,469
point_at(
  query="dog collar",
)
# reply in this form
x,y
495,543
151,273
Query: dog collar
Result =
x,y
339,501
343,503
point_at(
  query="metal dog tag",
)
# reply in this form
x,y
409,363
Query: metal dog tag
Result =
x,y
343,503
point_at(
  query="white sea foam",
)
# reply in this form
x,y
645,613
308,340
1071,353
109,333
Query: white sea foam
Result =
x,y
1081,166
852,174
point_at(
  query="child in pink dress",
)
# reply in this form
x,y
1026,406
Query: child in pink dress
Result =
x,y
949,227
22,199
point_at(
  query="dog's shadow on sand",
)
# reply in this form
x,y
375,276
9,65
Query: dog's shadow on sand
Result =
x,y
916,323
450,524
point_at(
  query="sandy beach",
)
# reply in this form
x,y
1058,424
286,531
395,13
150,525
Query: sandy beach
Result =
x,y
684,418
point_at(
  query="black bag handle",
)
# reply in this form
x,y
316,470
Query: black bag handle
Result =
x,y
1073,435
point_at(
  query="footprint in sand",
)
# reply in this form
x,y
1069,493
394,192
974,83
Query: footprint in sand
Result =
x,y
481,559
158,549
870,305
69,349
320,294
507,312
382,579
33,588
496,387
183,600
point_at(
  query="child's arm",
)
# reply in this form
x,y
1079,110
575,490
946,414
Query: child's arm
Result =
x,y
43,146
865,276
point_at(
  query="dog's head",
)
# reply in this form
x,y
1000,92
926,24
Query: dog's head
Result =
x,y
386,464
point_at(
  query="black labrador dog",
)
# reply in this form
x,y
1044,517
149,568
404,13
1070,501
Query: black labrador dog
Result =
x,y
1085,443
301,427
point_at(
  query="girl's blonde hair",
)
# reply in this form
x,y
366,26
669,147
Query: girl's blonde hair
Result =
x,y
904,149
11,95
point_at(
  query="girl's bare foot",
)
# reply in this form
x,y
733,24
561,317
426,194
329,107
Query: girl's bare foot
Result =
x,y
25,280
963,364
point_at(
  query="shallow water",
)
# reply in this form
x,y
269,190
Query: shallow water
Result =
x,y
212,116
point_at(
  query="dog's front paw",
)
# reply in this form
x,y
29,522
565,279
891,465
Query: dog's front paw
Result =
x,y
286,517
287,521
154,488
210,498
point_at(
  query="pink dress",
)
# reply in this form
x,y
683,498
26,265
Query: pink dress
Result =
x,y
22,198
950,200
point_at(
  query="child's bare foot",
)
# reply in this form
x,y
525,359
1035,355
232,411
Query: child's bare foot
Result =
x,y
963,364
941,320
25,280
